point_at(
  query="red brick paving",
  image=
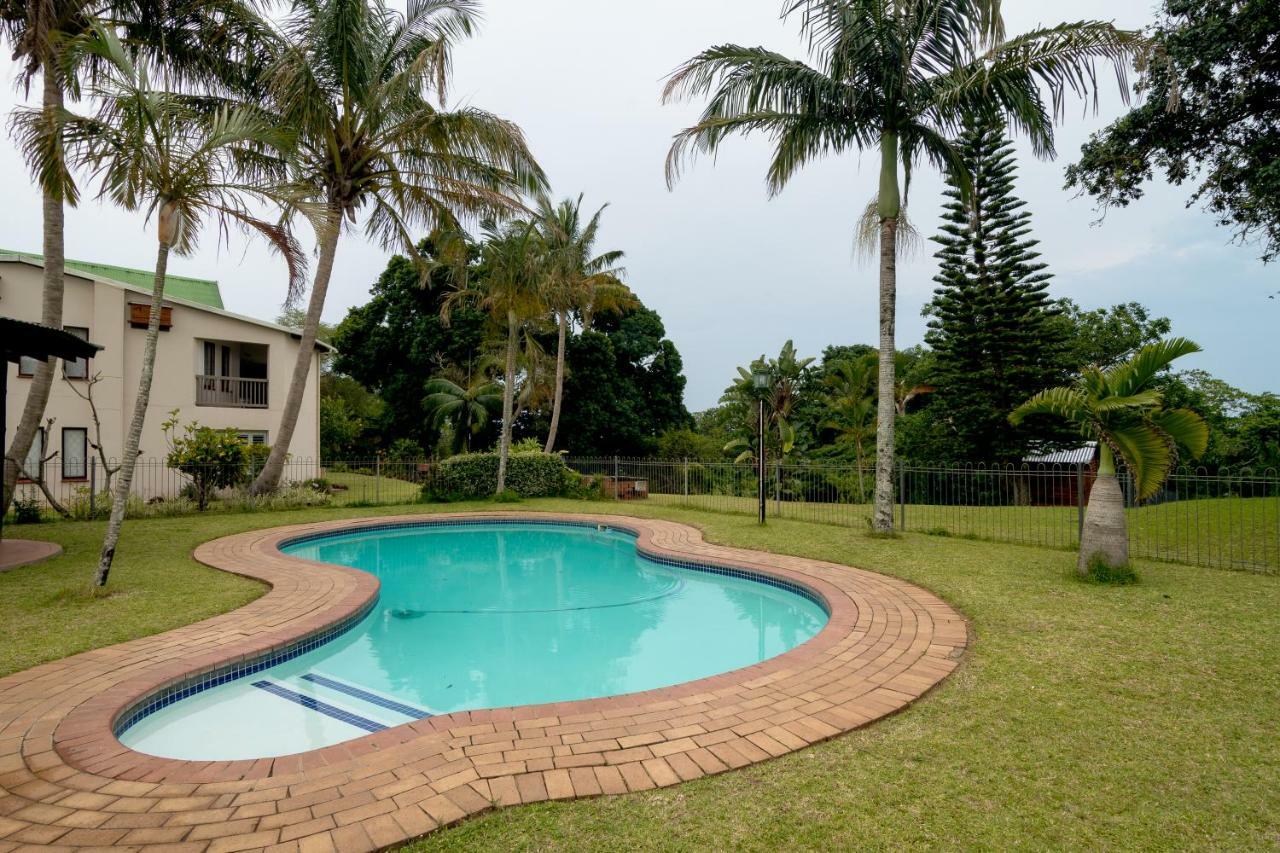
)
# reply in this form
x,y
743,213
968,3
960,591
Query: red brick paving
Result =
x,y
66,782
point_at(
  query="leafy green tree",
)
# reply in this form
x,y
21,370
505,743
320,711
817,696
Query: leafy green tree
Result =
x,y
1210,117
1120,408
353,82
624,386
899,76
992,326
1108,336
466,408
574,271
213,458
181,159
397,340
687,443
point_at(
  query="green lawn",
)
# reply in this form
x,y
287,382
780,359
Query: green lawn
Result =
x,y
1084,716
364,488
1235,533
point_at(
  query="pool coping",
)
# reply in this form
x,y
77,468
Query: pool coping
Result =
x,y
66,779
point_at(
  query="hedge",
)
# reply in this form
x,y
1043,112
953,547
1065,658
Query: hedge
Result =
x,y
475,475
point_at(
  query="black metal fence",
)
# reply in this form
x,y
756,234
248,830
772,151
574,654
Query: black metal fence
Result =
x,y
158,490
1223,519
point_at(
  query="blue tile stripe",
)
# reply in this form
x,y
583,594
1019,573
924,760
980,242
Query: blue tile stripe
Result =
x,y
313,704
198,683
365,695
201,682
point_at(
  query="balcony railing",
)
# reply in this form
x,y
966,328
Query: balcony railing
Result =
x,y
231,392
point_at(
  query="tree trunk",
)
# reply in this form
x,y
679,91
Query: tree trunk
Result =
x,y
1105,536
129,460
268,479
50,313
508,395
559,396
889,208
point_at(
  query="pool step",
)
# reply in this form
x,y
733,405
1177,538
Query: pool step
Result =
x,y
313,704
365,695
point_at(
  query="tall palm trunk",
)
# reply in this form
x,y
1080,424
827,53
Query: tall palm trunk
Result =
x,y
559,397
50,309
129,458
508,398
1105,536
889,207
268,478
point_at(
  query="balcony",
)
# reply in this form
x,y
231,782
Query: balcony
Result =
x,y
231,392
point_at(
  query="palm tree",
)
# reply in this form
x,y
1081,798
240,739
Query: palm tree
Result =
x,y
786,377
604,294
899,76
353,82
508,287
180,159
574,270
195,40
1120,410
852,404
467,408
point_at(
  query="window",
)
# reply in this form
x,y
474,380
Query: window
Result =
x,y
27,366
254,436
34,456
75,453
77,368
210,352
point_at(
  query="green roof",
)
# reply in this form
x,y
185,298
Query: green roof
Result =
x,y
199,290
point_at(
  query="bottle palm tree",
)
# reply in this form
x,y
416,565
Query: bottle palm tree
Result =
x,y
353,80
574,270
898,76
180,159
1120,410
509,287
195,40
465,407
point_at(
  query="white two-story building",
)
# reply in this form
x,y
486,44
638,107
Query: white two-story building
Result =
x,y
218,368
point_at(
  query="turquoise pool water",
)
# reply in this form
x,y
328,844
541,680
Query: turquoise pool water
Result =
x,y
482,616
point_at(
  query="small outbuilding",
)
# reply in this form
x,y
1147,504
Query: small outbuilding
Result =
x,y
1062,477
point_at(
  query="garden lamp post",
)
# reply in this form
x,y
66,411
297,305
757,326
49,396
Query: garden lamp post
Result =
x,y
761,380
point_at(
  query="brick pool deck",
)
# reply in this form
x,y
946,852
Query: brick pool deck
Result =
x,y
67,782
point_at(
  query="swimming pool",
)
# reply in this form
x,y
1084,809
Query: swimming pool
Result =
x,y
483,615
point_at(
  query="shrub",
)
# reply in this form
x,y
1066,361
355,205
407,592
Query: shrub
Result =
x,y
26,511
475,475
212,458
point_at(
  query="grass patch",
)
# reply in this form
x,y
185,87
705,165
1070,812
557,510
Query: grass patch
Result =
x,y
1085,716
1102,572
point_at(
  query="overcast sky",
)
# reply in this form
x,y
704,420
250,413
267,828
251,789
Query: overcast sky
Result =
x,y
732,273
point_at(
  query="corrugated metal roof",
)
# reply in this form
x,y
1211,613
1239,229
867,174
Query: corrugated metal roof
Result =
x,y
199,290
1081,455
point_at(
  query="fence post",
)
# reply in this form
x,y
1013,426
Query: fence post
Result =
x,y
1079,501
615,476
377,479
686,479
902,496
93,485
777,489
